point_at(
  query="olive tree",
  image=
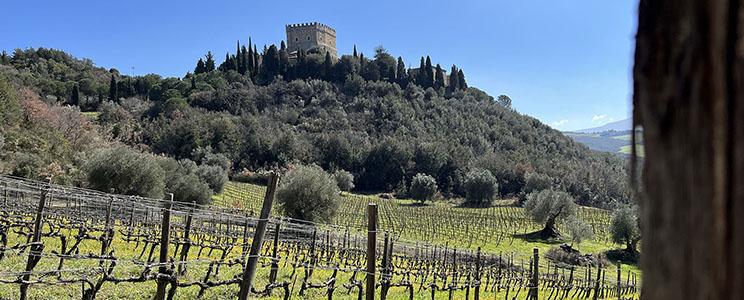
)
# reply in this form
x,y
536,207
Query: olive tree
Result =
x,y
125,171
309,193
423,187
579,231
480,187
624,228
344,180
548,207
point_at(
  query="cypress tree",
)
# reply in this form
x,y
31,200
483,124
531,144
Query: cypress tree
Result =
x,y
209,62
454,81
243,66
429,73
461,80
401,74
327,67
270,65
193,82
4,57
283,60
420,74
75,95
112,89
355,52
249,65
256,59
200,68
238,59
438,77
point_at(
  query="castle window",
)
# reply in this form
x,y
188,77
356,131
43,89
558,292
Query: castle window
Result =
x,y
297,39
308,38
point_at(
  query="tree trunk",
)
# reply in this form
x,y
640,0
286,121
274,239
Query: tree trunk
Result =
x,y
689,98
549,231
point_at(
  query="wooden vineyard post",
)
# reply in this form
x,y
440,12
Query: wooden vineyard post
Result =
x,y
384,277
535,275
187,240
164,244
596,285
108,231
371,250
275,260
35,254
258,235
618,280
477,274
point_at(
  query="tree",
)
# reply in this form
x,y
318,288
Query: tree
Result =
x,y
548,207
579,231
10,109
75,95
429,72
423,187
505,101
200,67
535,182
461,80
401,74
439,77
355,52
344,180
284,60
270,65
420,74
239,59
309,193
624,228
480,187
328,67
209,62
113,89
125,171
249,64
454,81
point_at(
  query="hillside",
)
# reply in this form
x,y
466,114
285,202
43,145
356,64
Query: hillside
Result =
x,y
617,142
382,123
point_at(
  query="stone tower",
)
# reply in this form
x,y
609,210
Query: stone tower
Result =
x,y
307,36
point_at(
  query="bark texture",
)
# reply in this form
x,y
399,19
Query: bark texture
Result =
x,y
689,98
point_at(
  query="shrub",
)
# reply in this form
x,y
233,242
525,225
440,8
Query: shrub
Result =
x,y
549,206
480,187
309,193
125,171
344,180
423,187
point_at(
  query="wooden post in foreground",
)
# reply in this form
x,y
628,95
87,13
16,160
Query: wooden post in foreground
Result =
x,y
257,241
535,284
371,250
34,254
164,245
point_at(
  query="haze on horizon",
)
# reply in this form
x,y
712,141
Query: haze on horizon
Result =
x,y
566,63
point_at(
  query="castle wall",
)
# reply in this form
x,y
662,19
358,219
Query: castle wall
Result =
x,y
307,36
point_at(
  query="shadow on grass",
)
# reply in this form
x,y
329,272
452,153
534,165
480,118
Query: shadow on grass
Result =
x,y
538,237
414,204
624,256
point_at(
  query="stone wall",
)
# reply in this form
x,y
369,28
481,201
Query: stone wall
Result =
x,y
307,36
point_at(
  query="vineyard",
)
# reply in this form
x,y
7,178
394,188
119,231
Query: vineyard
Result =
x,y
69,243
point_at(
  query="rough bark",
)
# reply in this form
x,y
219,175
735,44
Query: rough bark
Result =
x,y
689,98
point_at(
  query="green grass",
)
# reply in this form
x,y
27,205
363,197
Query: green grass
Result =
x,y
627,150
626,137
91,115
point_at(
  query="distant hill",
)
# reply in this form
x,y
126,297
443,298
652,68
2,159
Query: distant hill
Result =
x,y
612,141
622,125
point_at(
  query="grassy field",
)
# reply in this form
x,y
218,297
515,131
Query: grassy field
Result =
x,y
495,230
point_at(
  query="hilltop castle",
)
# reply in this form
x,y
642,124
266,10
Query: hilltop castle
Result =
x,y
308,36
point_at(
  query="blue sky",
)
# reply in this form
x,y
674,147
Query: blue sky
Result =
x,y
565,62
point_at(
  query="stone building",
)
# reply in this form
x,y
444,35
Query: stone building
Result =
x,y
308,36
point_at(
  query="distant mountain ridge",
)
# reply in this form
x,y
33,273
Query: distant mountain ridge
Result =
x,y
622,125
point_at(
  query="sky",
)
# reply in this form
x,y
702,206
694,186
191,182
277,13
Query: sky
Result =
x,y
567,63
